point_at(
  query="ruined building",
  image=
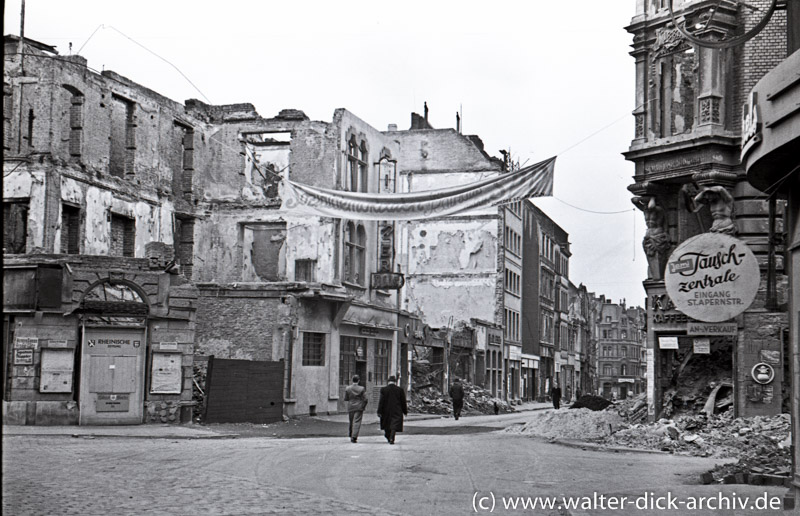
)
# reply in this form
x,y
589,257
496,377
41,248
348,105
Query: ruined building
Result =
x,y
143,236
97,176
689,180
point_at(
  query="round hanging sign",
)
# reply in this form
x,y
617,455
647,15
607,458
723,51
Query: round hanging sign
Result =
x,y
712,277
762,373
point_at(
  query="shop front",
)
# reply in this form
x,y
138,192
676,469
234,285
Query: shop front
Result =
x,y
96,345
368,347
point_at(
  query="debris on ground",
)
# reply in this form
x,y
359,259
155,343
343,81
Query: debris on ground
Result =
x,y
477,400
754,440
200,370
591,402
696,379
582,423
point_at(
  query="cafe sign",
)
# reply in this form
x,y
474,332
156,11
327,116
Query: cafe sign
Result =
x,y
712,277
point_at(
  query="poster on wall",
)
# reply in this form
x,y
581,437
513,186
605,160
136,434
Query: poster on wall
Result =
x,y
668,342
166,375
712,277
702,346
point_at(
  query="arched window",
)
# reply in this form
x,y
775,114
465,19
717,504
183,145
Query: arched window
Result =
x,y
357,159
115,302
355,242
73,120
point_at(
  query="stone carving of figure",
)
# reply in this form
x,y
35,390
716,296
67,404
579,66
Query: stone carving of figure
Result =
x,y
656,241
720,203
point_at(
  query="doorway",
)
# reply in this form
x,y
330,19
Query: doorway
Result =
x,y
112,376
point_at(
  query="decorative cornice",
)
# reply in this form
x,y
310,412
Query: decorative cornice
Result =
x,y
715,177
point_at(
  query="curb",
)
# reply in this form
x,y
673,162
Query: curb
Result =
x,y
597,447
121,436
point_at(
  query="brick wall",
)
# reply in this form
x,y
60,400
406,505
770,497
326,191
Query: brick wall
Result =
x,y
236,327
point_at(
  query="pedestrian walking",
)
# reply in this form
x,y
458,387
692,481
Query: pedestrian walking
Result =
x,y
356,396
457,395
555,393
391,409
496,408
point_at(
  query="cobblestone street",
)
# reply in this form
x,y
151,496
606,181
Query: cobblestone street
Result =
x,y
429,471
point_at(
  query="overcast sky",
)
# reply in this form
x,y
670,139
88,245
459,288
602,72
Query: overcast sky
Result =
x,y
536,77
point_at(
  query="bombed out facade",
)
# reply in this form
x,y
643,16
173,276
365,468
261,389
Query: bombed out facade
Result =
x,y
96,328
142,237
689,180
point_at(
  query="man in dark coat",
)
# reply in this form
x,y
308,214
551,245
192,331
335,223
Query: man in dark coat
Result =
x,y
555,393
457,394
391,409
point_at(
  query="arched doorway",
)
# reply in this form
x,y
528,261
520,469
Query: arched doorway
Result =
x,y
113,350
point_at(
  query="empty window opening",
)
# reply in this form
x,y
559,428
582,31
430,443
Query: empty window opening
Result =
x,y
70,229
15,226
305,270
184,252
123,137
123,236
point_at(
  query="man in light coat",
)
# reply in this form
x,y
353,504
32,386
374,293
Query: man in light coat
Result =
x,y
356,396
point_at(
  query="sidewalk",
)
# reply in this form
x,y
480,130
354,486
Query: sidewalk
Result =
x,y
196,431
188,431
371,416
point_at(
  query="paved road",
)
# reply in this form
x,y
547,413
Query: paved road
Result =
x,y
429,471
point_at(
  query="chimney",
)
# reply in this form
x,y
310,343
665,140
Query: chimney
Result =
x,y
392,128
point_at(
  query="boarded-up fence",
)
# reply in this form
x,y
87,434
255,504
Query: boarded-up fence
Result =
x,y
243,391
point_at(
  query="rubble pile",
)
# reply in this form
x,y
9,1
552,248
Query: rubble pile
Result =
x,y
756,441
431,400
633,409
695,382
198,390
591,402
582,423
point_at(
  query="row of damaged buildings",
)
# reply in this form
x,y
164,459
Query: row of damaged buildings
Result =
x,y
144,239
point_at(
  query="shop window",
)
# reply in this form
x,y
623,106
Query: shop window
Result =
x,y
15,226
70,229
305,270
351,350
347,360
123,234
382,361
313,349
